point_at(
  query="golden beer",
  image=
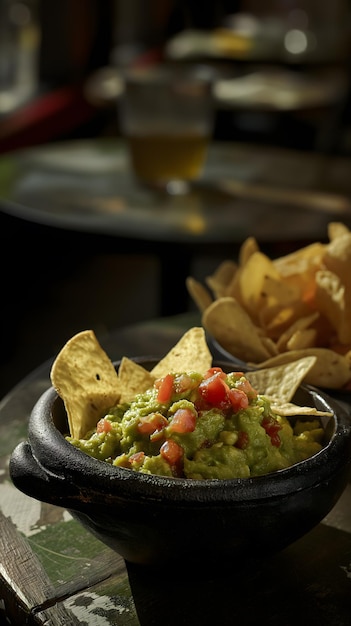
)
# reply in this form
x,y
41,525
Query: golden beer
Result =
x,y
160,158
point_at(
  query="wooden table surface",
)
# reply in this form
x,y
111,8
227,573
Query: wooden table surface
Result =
x,y
54,572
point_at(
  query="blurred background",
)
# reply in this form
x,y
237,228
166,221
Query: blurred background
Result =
x,y
283,79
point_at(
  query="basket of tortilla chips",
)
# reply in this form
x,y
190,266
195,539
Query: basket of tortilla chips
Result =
x,y
183,459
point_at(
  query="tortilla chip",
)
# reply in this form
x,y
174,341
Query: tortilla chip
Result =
x,y
232,327
331,370
300,324
247,249
253,277
282,381
333,298
304,338
198,293
269,344
222,277
291,409
275,319
330,293
337,229
301,261
276,291
337,258
190,353
86,380
232,290
133,379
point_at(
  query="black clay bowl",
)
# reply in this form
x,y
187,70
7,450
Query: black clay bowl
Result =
x,y
152,519
221,354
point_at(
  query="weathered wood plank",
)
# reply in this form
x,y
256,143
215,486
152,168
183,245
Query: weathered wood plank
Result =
x,y
24,582
108,603
31,593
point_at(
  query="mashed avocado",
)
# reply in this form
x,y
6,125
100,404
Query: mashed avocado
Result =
x,y
200,427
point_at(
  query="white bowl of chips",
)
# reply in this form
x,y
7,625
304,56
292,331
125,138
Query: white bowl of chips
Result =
x,y
173,519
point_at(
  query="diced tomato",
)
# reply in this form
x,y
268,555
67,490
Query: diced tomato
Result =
x,y
272,427
171,452
201,404
158,435
103,426
151,423
183,421
275,439
243,440
165,388
215,391
214,370
238,375
238,399
245,385
184,383
137,457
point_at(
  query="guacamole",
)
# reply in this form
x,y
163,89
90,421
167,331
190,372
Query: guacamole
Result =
x,y
200,427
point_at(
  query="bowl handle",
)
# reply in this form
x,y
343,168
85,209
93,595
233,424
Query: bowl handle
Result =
x,y
32,479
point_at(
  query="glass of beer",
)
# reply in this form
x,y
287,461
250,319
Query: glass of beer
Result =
x,y
166,116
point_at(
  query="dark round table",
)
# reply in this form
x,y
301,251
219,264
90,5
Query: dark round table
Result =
x,y
87,186
81,195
